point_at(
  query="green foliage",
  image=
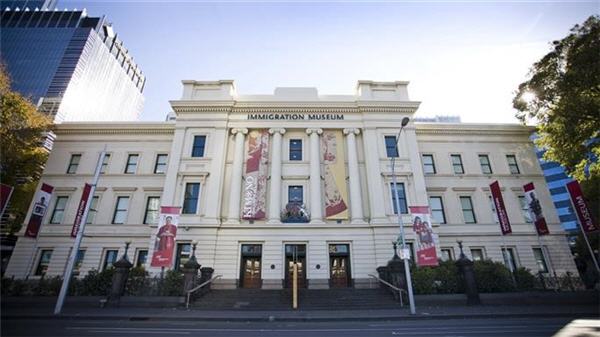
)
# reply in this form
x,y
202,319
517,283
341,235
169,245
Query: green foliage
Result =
x,y
443,279
172,284
492,277
94,283
525,279
564,88
138,283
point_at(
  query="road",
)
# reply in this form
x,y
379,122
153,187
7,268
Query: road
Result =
x,y
423,327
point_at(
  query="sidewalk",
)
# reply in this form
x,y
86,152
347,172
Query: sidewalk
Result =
x,y
42,308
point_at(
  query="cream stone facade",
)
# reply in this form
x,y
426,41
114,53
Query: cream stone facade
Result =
x,y
296,119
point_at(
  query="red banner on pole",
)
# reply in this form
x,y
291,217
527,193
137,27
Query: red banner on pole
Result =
x,y
164,243
581,208
535,209
41,200
85,197
5,193
500,208
426,255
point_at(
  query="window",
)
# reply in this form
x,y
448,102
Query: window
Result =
x,y
428,164
447,254
110,257
391,146
104,166
540,260
525,209
78,261
509,258
493,206
437,209
190,199
161,163
121,210
513,167
295,149
132,161
73,164
43,262
399,191
467,210
184,252
93,210
198,147
295,194
152,210
142,257
457,164
59,210
484,161
477,254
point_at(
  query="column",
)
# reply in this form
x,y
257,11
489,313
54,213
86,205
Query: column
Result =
x,y
374,182
275,191
316,205
356,211
235,189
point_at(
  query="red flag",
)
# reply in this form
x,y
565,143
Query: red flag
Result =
x,y
500,208
426,255
535,209
85,197
41,200
5,193
581,208
164,243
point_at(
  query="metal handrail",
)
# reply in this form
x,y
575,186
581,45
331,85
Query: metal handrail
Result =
x,y
189,292
399,290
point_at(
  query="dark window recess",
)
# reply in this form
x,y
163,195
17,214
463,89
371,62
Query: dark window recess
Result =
x,y
198,147
391,147
295,149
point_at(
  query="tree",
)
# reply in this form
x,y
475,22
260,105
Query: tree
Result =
x,y
21,155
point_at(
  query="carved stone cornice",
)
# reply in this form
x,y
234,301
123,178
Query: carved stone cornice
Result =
x,y
115,129
474,129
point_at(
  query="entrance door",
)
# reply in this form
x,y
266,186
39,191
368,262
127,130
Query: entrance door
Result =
x,y
295,253
339,266
250,267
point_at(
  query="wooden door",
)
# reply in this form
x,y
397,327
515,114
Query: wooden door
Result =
x,y
339,271
251,277
301,261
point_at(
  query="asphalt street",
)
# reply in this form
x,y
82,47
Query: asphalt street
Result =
x,y
424,327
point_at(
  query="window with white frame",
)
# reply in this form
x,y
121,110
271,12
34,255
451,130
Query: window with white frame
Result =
x,y
105,162
160,167
73,163
190,198
43,262
141,257
457,164
428,164
513,167
295,149
121,209
447,254
540,260
93,210
477,254
391,146
198,146
525,209
484,162
510,259
59,210
110,257
437,209
152,210
467,209
398,192
132,162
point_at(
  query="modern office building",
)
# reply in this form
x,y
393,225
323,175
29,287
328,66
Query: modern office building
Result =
x,y
263,179
73,66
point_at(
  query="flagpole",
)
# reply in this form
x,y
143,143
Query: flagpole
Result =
x,y
73,256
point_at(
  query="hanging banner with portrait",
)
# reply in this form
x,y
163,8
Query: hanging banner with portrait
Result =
x,y
164,241
257,169
336,193
426,254
535,209
41,201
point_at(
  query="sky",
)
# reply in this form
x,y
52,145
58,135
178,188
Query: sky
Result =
x,y
462,58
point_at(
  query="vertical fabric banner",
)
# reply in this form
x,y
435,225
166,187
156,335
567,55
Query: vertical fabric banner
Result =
x,y
41,201
85,198
164,243
535,209
5,193
426,254
500,208
255,185
581,208
336,192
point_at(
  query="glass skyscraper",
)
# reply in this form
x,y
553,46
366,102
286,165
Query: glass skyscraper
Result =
x,y
71,65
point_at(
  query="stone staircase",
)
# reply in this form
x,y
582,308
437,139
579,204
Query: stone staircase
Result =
x,y
322,299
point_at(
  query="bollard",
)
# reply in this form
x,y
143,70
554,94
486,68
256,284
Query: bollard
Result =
x,y
190,272
119,279
465,268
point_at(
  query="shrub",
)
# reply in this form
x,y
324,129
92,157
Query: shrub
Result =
x,y
95,283
172,284
48,286
525,279
423,279
138,283
443,279
492,277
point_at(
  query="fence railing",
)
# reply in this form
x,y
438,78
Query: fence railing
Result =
x,y
391,286
198,287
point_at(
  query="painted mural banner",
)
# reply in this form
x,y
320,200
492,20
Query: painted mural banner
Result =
x,y
40,206
500,208
257,169
336,192
164,242
581,208
421,220
85,198
535,209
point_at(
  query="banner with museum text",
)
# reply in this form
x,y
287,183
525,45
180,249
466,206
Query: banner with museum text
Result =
x,y
426,254
535,209
500,208
581,208
257,169
85,198
336,193
41,201
164,241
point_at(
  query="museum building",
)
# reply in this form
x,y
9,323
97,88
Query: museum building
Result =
x,y
263,180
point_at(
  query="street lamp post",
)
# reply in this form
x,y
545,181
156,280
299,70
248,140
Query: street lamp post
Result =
x,y
411,299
